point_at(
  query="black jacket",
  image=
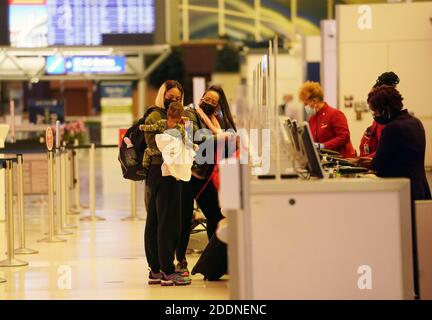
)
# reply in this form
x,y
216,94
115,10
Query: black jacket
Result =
x,y
207,141
401,153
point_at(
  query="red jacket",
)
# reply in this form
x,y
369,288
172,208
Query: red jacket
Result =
x,y
330,127
370,139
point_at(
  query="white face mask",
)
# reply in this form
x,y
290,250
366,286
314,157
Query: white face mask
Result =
x,y
310,111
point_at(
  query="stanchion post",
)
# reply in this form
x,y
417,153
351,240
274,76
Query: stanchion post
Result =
x,y
65,189
92,186
21,219
10,261
51,220
133,216
78,207
59,230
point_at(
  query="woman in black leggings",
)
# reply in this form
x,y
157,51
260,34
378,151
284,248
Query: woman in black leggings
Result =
x,y
162,201
210,120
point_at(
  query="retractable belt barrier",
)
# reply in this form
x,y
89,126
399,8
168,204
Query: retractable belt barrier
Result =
x,y
92,184
92,180
7,163
60,229
51,238
65,178
133,216
76,180
21,221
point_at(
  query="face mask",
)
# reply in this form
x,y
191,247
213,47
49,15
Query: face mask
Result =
x,y
382,120
167,102
310,111
208,108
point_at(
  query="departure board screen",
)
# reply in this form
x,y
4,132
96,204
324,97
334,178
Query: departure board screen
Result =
x,y
41,23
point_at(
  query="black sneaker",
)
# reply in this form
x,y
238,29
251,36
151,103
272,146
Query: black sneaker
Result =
x,y
182,268
174,279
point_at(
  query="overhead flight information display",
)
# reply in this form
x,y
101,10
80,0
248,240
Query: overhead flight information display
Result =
x,y
39,23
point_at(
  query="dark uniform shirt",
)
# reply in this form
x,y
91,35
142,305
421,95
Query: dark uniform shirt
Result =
x,y
401,153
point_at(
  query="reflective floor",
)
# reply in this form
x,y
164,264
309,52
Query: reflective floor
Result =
x,y
101,260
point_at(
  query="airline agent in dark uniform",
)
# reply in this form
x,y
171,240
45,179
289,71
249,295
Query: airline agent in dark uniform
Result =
x,y
401,150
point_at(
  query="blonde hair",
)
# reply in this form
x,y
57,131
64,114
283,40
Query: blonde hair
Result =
x,y
311,90
175,110
167,85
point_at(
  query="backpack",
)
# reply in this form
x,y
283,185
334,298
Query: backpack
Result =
x,y
131,157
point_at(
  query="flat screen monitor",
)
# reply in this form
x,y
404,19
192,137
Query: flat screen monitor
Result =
x,y
308,149
42,23
293,132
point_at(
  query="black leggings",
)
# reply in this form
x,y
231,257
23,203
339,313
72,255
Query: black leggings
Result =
x,y
162,229
207,200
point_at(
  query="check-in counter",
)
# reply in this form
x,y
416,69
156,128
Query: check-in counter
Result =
x,y
424,243
321,239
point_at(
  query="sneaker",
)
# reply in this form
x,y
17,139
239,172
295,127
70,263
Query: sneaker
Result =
x,y
182,268
175,279
154,277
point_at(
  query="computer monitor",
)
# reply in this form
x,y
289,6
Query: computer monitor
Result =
x,y
293,133
310,152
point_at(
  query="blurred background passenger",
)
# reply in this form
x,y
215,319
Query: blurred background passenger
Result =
x,y
288,108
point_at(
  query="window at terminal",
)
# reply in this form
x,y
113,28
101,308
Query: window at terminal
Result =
x,y
42,23
85,64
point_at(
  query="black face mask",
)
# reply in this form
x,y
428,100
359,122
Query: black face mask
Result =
x,y
167,102
208,108
382,120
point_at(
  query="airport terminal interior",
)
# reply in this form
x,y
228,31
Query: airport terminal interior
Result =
x,y
192,150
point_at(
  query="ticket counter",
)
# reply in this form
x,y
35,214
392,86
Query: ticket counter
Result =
x,y
321,239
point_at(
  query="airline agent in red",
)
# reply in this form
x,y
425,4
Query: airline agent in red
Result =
x,y
328,125
370,139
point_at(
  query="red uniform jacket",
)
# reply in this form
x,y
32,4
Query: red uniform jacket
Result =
x,y
370,139
330,127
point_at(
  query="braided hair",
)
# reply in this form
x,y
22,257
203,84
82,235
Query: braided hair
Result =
x,y
387,79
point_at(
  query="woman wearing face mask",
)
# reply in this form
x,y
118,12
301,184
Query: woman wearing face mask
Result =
x,y
370,139
162,201
401,150
328,125
214,116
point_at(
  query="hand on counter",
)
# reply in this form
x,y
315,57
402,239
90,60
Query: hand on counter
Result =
x,y
361,162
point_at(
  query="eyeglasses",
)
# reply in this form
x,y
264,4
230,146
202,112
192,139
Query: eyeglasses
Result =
x,y
213,102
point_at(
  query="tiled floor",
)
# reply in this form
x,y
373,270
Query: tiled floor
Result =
x,y
102,260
